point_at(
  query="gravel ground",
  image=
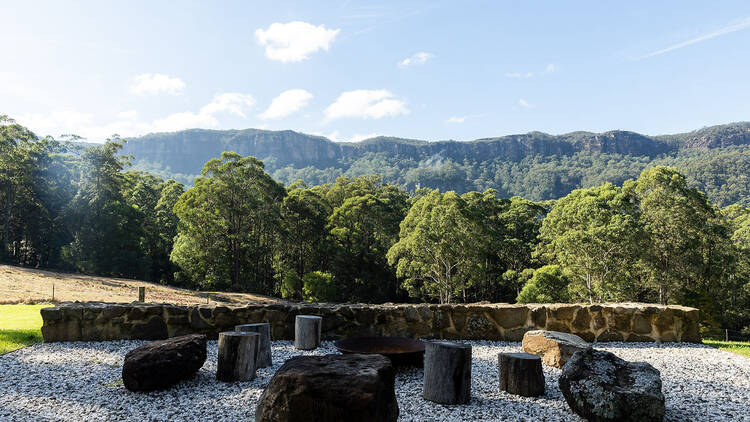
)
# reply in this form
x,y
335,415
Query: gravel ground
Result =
x,y
81,381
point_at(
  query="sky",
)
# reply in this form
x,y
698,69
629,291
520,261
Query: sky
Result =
x,y
350,70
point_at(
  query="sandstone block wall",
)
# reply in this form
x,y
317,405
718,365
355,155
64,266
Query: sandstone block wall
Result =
x,y
603,322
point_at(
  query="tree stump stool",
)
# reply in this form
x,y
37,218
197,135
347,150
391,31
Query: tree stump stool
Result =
x,y
307,332
263,357
521,374
447,372
237,351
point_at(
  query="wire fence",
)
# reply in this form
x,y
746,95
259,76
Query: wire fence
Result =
x,y
726,335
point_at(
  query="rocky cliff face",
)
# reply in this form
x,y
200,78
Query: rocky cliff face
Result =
x,y
187,151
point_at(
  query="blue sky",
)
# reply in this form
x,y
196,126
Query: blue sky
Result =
x,y
352,69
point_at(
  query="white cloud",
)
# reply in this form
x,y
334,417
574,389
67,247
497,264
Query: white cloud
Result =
x,y
294,41
231,102
744,23
361,137
419,58
156,83
456,119
184,120
287,103
127,123
55,123
364,103
551,68
128,115
525,104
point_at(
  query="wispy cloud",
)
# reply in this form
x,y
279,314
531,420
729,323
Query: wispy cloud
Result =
x,y
519,75
550,68
419,58
456,119
156,83
743,24
525,104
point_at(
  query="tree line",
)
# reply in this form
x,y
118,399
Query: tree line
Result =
x,y
359,239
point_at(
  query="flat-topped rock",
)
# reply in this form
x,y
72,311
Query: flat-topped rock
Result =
x,y
555,348
161,364
599,386
331,388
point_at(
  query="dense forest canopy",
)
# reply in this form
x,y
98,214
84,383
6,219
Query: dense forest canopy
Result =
x,y
653,237
536,166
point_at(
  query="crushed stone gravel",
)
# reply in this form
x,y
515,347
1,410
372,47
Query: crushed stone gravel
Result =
x,y
82,381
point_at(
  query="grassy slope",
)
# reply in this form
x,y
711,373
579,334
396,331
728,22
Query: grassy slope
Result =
x,y
19,284
20,326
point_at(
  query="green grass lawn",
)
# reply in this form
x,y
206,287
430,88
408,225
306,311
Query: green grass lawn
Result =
x,y
20,325
739,347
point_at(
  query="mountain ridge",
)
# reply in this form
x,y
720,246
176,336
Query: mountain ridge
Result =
x,y
558,162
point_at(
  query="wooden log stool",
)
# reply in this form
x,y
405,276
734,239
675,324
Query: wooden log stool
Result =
x,y
307,332
447,372
521,374
263,357
237,352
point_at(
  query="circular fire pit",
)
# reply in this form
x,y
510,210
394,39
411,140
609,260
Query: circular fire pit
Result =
x,y
400,350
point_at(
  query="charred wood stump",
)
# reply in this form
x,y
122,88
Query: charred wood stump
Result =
x,y
521,374
307,332
263,357
447,372
237,351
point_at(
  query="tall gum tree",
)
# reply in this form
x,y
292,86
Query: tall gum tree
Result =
x,y
593,233
437,247
229,225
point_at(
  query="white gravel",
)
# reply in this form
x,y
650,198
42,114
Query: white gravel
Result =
x,y
81,381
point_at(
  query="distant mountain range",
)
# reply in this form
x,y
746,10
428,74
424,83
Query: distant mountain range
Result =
x,y
536,165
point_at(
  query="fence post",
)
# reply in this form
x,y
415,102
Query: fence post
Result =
x,y
141,294
53,291
726,334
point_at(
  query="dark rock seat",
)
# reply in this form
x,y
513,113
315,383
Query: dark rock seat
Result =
x,y
331,388
161,364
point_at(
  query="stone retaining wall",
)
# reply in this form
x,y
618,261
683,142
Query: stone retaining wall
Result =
x,y
605,322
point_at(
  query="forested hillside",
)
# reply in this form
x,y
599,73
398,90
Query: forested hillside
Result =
x,y
652,238
536,165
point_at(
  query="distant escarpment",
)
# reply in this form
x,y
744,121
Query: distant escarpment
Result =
x,y
535,165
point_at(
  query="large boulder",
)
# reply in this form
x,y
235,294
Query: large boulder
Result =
x,y
330,388
599,386
160,364
554,347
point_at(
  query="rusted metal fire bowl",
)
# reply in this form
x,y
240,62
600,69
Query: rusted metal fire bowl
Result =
x,y
400,350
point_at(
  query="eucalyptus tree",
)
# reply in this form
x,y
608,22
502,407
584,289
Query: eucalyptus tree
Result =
x,y
437,250
687,243
305,217
594,235
16,144
229,226
107,231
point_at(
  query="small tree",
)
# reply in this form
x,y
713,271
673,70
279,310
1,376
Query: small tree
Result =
x,y
318,286
291,286
549,284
